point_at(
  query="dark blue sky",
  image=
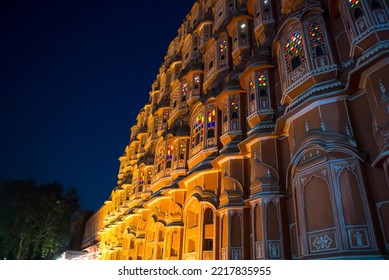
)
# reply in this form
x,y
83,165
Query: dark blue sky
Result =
x,y
73,77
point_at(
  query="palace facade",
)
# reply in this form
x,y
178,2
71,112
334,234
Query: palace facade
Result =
x,y
266,136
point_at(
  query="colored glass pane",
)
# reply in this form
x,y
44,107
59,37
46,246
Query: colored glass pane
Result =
x,y
142,178
182,147
198,130
223,47
211,118
315,34
353,3
169,152
184,88
294,45
316,38
251,85
160,159
262,81
225,107
234,104
294,52
197,79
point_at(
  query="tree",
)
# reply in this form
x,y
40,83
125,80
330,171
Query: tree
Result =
x,y
35,220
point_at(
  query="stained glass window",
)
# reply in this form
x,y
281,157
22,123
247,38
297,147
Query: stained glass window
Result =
x,y
184,91
149,176
293,46
198,130
294,50
262,81
197,79
182,149
316,39
211,118
225,107
142,178
234,104
352,3
165,116
251,85
223,48
169,154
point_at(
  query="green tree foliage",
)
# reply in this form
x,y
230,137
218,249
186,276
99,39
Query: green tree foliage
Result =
x,y
35,219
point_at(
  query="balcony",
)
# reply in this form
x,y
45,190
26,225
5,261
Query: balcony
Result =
x,y
259,115
178,110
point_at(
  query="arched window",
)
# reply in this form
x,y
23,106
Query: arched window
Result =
x,y
208,216
294,52
198,130
149,176
319,213
141,181
251,94
157,121
222,49
236,231
316,39
184,91
234,113
234,108
182,149
211,121
207,233
262,90
165,116
175,98
196,81
192,228
211,124
258,223
169,156
262,81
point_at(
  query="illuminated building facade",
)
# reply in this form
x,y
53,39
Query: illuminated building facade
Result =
x,y
266,136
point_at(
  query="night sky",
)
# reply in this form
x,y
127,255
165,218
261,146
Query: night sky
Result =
x,y
73,77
